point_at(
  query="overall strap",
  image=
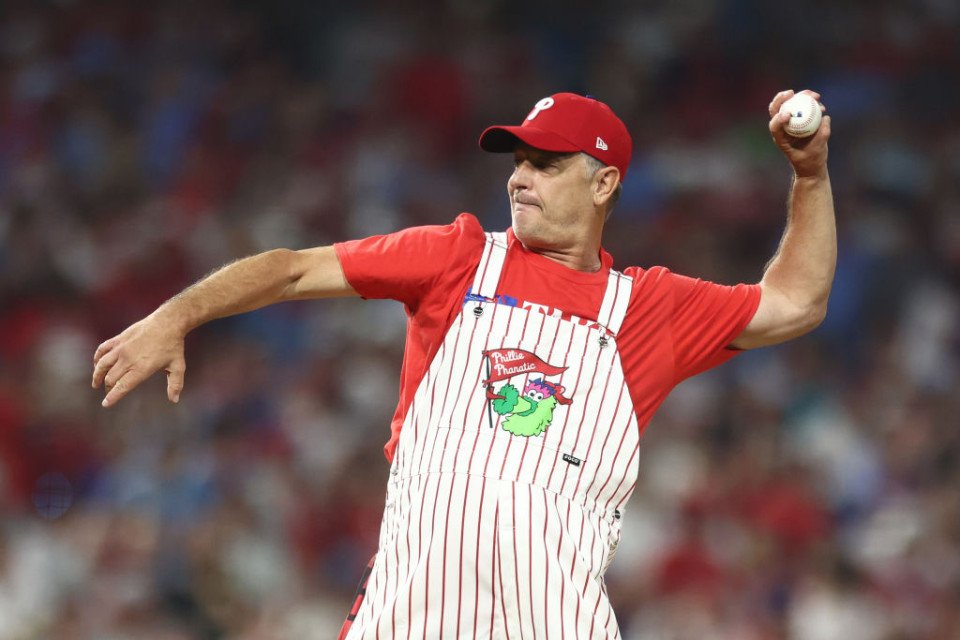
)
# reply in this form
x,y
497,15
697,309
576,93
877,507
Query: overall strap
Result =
x,y
615,301
491,264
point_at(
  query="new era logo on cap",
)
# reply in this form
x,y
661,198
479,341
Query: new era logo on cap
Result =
x,y
567,122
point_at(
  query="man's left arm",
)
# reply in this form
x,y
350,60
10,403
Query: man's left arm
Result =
x,y
796,283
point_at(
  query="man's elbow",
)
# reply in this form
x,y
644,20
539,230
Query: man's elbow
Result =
x,y
316,273
780,318
812,317
289,267
805,310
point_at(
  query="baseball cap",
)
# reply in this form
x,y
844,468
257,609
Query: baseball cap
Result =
x,y
567,122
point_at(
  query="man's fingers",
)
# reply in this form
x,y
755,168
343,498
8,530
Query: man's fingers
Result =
x,y
778,100
122,387
824,131
777,120
103,366
115,373
175,380
104,347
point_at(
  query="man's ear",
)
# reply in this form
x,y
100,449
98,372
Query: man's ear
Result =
x,y
605,183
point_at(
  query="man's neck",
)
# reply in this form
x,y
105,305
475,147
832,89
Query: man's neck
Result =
x,y
575,247
587,261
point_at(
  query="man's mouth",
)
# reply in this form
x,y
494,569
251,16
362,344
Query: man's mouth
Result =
x,y
527,200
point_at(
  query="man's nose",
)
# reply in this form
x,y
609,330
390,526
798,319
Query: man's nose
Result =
x,y
520,178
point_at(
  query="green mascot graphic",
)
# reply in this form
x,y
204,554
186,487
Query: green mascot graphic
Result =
x,y
530,413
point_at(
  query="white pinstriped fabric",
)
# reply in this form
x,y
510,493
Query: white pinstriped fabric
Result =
x,y
487,534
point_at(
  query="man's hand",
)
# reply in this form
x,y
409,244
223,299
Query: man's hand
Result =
x,y
807,155
126,360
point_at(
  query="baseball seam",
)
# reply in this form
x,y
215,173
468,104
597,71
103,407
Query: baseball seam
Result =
x,y
800,128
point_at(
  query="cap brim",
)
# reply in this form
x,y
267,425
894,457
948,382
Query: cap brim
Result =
x,y
500,139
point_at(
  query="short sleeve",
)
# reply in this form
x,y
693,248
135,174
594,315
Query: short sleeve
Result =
x,y
706,318
410,264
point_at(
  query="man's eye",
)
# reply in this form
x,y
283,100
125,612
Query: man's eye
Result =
x,y
540,164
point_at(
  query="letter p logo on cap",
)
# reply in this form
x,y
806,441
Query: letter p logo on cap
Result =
x,y
545,103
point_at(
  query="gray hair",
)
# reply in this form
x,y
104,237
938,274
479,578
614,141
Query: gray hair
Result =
x,y
594,165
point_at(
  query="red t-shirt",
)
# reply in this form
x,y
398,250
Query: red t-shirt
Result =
x,y
675,326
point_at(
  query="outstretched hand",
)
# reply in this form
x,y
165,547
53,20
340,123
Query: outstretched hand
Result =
x,y
807,155
124,361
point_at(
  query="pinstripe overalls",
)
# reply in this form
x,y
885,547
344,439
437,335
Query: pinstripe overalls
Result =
x,y
488,534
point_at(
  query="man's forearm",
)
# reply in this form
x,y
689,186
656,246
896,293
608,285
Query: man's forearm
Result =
x,y
803,267
244,285
156,342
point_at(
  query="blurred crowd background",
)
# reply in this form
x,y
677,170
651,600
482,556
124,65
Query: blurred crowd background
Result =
x,y
809,491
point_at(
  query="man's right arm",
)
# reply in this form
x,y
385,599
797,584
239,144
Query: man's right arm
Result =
x,y
156,342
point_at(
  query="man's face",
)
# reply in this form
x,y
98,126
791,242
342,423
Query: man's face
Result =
x,y
550,197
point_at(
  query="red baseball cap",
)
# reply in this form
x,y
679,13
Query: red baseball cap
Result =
x,y
567,122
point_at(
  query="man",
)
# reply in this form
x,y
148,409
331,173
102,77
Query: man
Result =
x,y
531,368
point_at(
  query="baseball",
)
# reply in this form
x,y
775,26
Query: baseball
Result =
x,y
804,115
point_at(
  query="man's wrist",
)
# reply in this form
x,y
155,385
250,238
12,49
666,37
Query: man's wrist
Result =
x,y
169,315
811,179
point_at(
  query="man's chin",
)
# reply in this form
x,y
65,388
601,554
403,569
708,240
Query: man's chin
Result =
x,y
526,230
